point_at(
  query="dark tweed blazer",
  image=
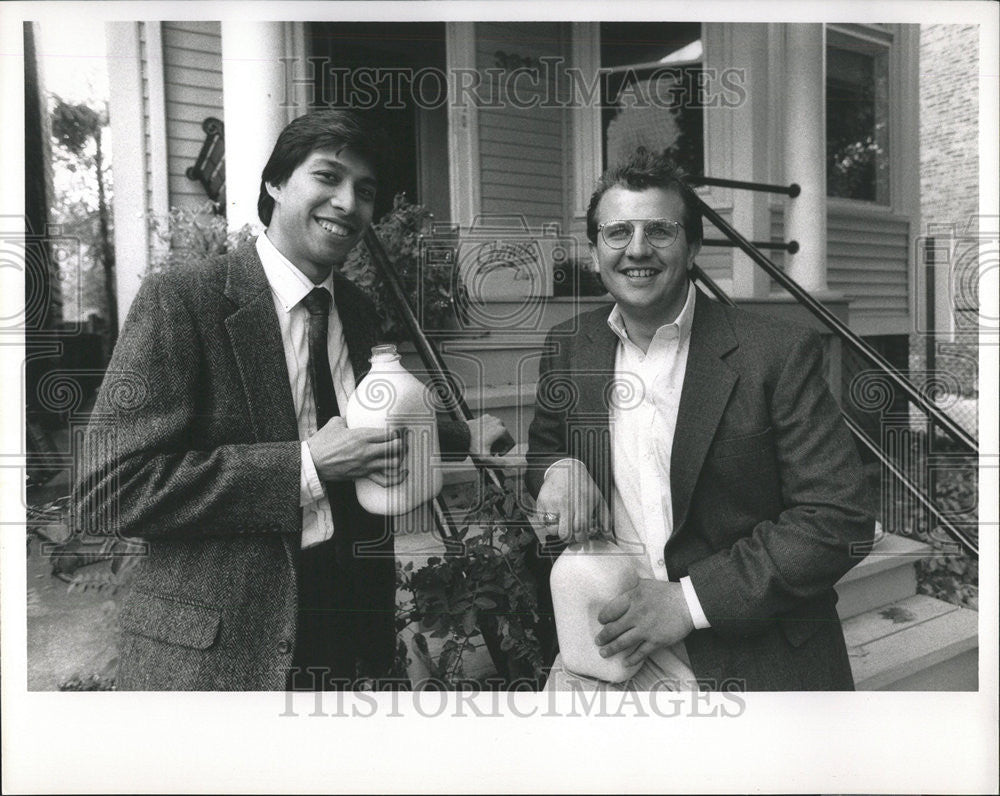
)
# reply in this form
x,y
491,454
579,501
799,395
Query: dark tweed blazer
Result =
x,y
766,484
193,447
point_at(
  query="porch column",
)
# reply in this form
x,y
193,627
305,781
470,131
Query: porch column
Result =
x,y
805,153
253,88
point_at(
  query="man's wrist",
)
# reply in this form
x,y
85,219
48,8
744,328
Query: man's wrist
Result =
x,y
310,486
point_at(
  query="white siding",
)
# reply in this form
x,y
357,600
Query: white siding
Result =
x,y
868,261
522,150
192,75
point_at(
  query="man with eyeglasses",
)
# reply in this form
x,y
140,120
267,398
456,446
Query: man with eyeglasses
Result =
x,y
704,439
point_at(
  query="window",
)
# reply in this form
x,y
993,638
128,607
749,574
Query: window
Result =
x,y
857,118
651,91
371,65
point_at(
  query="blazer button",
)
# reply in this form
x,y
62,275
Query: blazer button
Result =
x,y
284,647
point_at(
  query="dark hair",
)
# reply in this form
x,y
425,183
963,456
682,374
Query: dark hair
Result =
x,y
334,128
645,169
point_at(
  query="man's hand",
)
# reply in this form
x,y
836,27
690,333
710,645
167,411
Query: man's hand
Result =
x,y
483,432
570,493
346,454
653,614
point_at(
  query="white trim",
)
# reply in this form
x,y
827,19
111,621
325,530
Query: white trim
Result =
x,y
295,48
875,34
748,152
158,166
129,166
253,90
586,119
463,129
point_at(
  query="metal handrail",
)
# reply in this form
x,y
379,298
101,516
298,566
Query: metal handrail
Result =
x,y
792,190
956,533
952,530
792,246
859,346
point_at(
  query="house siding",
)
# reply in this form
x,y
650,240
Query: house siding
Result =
x,y
192,76
522,151
868,263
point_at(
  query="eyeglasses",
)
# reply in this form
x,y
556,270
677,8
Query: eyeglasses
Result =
x,y
659,232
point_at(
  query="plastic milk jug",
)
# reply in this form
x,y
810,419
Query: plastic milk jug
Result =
x,y
584,579
390,397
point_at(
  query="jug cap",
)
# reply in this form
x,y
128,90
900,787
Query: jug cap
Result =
x,y
384,353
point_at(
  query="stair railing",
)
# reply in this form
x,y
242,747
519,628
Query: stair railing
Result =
x,y
962,438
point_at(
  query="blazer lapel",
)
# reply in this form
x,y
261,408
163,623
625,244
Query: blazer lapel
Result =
x,y
708,382
256,342
597,388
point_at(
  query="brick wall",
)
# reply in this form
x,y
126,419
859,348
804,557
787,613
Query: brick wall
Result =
x,y
949,179
949,123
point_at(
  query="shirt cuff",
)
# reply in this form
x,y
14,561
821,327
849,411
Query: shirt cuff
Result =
x,y
310,487
560,461
694,604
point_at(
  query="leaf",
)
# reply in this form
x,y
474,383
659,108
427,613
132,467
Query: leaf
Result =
x,y
469,622
485,602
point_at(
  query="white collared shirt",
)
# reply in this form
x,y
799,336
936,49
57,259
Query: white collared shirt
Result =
x,y
642,421
288,287
642,436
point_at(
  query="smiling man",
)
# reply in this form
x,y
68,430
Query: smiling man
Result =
x,y
707,439
232,462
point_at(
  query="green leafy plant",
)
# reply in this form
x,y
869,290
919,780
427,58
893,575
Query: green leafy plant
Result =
x,y
434,293
192,233
481,588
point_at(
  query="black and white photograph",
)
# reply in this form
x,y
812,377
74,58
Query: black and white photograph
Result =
x,y
412,397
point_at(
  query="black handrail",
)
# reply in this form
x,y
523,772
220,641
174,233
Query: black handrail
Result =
x,y
792,247
859,346
699,274
952,530
792,190
956,533
458,409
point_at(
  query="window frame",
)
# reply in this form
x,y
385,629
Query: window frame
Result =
x,y
861,38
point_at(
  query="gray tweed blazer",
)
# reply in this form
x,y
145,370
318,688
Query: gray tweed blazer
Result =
x,y
193,448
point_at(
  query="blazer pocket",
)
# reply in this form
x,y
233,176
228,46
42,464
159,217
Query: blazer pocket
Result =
x,y
170,620
741,446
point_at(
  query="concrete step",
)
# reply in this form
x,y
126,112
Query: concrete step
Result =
x,y
887,574
918,643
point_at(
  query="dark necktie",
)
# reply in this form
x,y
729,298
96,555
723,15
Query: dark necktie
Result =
x,y
326,622
318,304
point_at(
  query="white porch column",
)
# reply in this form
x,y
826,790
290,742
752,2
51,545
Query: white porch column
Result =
x,y
253,88
129,205
805,153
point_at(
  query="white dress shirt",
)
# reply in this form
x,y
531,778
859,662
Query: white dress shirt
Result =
x,y
642,420
642,437
288,287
